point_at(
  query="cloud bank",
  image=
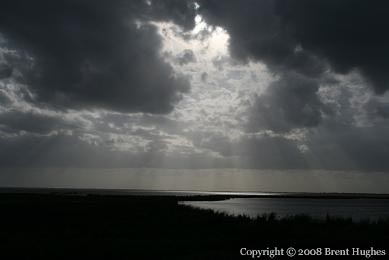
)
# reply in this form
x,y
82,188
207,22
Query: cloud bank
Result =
x,y
183,84
75,54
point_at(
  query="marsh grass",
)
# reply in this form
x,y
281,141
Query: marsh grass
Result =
x,y
136,227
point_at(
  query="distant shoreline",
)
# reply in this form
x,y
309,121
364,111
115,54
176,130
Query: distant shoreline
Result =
x,y
190,195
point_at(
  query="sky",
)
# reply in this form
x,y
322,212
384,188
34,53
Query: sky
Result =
x,y
181,84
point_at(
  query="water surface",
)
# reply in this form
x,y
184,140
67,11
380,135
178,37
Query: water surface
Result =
x,y
358,209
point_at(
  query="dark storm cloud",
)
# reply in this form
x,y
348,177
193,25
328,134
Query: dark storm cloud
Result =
x,y
333,146
290,102
4,99
272,153
5,71
94,53
71,151
330,147
56,150
177,11
14,121
377,109
302,35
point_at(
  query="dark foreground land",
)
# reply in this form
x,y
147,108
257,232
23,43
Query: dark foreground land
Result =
x,y
55,226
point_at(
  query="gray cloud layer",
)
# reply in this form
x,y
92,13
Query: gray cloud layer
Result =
x,y
94,53
294,34
87,85
290,102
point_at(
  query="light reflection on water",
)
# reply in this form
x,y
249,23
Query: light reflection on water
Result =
x,y
357,209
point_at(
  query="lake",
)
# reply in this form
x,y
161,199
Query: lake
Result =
x,y
358,209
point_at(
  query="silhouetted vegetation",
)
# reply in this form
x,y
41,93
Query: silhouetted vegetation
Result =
x,y
39,226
